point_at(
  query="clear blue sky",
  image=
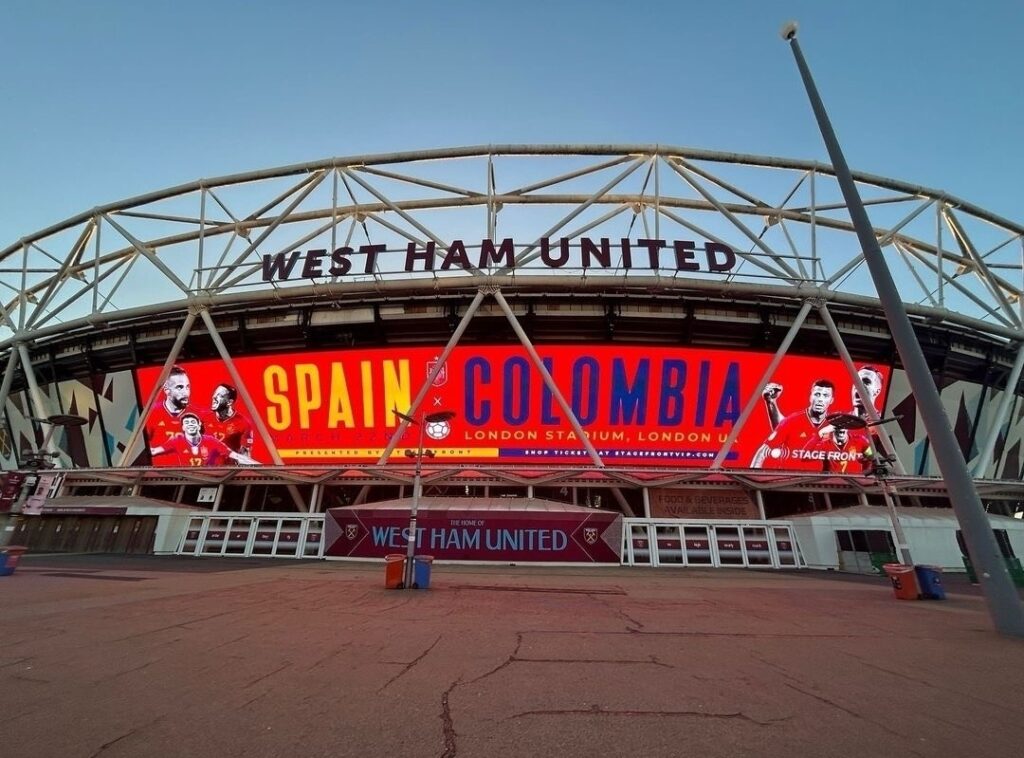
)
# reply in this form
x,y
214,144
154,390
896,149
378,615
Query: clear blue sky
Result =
x,y
104,100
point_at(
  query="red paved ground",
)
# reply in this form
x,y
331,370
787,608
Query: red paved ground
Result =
x,y
180,656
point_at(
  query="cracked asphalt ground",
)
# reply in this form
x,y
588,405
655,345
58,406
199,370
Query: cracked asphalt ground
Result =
x,y
108,656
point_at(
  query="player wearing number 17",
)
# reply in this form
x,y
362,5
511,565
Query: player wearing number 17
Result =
x,y
193,448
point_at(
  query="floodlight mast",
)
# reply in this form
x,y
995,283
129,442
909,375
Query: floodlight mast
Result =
x,y
1001,596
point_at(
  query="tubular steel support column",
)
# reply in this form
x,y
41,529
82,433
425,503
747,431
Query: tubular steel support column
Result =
x,y
557,393
438,366
5,388
240,385
873,415
414,408
257,419
1000,594
1004,408
759,499
128,455
548,380
37,399
755,397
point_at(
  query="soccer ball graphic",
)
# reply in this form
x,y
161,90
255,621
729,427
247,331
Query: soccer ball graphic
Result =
x,y
438,430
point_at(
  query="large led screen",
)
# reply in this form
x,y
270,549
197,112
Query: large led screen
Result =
x,y
637,405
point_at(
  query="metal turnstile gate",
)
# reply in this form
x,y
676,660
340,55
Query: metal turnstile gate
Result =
x,y
271,535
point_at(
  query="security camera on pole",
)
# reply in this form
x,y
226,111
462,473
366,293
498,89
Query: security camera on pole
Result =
x,y
424,420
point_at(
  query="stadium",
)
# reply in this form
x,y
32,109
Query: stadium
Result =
x,y
561,353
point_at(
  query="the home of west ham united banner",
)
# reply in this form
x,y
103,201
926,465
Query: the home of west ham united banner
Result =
x,y
516,531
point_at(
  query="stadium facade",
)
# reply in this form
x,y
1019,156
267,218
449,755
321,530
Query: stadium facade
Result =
x,y
652,333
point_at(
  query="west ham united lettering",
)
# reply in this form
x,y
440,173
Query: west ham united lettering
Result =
x,y
636,404
583,252
551,532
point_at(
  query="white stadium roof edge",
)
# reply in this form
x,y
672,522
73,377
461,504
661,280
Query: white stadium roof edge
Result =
x,y
206,247
201,244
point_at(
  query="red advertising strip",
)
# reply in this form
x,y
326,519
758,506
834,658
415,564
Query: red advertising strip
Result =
x,y
579,536
637,405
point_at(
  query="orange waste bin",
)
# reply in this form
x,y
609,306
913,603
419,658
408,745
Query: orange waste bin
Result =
x,y
394,571
9,557
904,580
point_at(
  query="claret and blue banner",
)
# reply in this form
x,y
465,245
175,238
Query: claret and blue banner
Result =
x,y
512,531
638,405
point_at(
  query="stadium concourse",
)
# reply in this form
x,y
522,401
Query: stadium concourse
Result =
x,y
144,655
568,353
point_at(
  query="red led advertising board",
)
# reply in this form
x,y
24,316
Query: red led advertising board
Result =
x,y
637,405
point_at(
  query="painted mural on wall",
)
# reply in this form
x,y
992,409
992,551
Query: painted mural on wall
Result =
x,y
972,413
108,403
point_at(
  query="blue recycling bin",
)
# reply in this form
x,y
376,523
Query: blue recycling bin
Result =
x,y
929,579
421,572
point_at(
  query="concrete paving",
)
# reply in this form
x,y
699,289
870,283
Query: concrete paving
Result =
x,y
107,656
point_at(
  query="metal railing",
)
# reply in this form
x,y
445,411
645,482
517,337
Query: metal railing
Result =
x,y
254,535
711,544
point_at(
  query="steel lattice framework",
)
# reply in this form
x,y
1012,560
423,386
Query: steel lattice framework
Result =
x,y
201,243
196,250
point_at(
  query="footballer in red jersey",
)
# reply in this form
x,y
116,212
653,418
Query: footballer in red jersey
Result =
x,y
794,432
873,380
227,424
193,448
164,419
838,451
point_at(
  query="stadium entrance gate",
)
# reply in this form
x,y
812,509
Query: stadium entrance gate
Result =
x,y
261,535
713,544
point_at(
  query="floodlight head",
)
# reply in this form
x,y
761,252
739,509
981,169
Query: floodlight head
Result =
x,y
846,421
61,419
788,30
66,419
439,416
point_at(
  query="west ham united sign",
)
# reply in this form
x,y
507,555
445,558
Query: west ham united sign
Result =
x,y
513,532
650,254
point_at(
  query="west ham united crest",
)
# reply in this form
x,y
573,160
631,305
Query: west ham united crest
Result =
x,y
351,531
590,534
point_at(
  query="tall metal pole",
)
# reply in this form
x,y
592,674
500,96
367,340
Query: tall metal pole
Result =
x,y
417,486
1000,595
902,546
